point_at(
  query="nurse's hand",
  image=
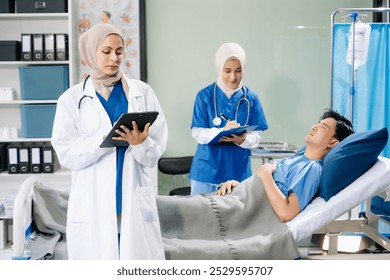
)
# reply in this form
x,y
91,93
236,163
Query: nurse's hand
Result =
x,y
227,187
236,139
133,137
231,125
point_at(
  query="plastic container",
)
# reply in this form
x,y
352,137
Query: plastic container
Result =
x,y
43,82
37,120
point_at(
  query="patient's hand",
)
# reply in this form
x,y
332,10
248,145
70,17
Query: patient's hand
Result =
x,y
266,169
227,187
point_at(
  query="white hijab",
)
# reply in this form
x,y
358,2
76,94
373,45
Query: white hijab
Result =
x,y
224,53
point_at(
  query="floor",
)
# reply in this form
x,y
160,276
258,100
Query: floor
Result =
x,y
6,254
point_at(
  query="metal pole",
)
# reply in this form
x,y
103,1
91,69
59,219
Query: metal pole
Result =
x,y
353,16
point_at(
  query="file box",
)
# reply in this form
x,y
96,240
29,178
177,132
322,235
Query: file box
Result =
x,y
10,50
3,157
37,120
7,6
43,82
47,6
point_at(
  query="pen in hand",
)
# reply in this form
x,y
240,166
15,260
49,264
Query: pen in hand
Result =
x,y
224,117
230,124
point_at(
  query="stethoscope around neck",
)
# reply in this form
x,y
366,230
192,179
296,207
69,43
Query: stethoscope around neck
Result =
x,y
217,120
84,96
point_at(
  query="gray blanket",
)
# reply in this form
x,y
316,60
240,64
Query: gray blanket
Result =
x,y
49,214
241,225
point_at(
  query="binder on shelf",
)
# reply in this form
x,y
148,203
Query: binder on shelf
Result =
x,y
27,47
38,46
24,159
61,46
3,157
13,159
35,158
49,47
49,163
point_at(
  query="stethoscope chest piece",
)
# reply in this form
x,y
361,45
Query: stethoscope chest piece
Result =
x,y
217,121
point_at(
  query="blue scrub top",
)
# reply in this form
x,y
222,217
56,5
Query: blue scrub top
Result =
x,y
226,161
115,106
300,175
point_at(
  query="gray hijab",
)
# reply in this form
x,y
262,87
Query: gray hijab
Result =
x,y
89,42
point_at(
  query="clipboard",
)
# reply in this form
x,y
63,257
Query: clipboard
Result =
x,y
141,118
238,131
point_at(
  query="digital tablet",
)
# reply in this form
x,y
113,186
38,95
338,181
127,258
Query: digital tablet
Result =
x,y
141,118
237,131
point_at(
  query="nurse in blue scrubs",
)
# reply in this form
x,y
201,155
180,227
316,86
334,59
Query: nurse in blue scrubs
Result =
x,y
224,105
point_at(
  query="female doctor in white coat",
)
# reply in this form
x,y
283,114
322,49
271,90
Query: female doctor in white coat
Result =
x,y
111,214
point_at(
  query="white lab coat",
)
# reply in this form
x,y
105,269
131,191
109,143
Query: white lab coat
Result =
x,y
92,219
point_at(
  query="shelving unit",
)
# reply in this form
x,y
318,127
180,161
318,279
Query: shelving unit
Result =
x,y
12,26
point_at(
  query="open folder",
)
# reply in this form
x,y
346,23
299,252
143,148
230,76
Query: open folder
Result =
x,y
141,118
237,131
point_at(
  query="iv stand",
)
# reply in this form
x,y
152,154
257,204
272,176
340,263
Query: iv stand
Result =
x,y
353,16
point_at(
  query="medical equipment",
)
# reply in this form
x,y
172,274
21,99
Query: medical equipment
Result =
x,y
217,120
359,39
360,44
318,217
82,98
271,151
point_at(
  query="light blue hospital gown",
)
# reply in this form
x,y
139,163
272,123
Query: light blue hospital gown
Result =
x,y
300,175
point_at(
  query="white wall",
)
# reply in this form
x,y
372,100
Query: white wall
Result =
x,y
288,67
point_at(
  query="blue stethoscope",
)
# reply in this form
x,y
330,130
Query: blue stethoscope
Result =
x,y
217,120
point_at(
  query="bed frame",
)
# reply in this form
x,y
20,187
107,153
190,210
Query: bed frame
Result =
x,y
322,217
367,225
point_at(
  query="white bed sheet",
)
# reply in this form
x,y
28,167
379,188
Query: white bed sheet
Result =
x,y
319,213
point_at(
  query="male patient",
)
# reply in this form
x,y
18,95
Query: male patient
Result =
x,y
292,183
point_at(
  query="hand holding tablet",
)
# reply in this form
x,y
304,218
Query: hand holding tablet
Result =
x,y
141,118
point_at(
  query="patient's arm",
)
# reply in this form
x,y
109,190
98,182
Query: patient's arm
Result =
x,y
285,207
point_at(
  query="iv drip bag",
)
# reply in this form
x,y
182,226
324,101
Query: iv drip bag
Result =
x,y
362,41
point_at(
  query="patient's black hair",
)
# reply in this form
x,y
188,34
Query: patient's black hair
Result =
x,y
343,125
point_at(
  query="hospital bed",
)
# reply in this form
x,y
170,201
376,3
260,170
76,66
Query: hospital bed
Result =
x,y
318,217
